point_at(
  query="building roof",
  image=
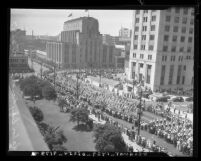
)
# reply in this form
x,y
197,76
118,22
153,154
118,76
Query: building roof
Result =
x,y
120,47
80,18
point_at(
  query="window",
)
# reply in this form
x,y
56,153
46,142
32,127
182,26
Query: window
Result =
x,y
151,47
135,46
174,38
148,74
171,74
153,18
176,19
142,47
152,27
144,28
189,49
184,68
191,22
190,39
136,28
181,49
137,12
190,30
145,11
167,19
134,55
185,11
167,28
165,48
183,80
141,56
162,75
141,65
164,58
144,19
166,37
175,29
143,37
182,38
184,20
173,49
177,10
183,29
135,37
137,20
172,58
179,73
149,57
151,37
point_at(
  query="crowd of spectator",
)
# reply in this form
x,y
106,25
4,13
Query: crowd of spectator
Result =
x,y
172,129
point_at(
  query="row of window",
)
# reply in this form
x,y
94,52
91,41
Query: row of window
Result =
x,y
174,38
142,56
176,28
177,19
151,47
178,11
172,58
144,11
171,71
173,49
151,37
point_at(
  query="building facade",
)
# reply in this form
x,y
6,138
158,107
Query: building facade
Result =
x,y
108,39
125,32
80,46
18,63
162,48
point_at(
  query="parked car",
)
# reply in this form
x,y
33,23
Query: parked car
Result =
x,y
189,99
162,99
178,99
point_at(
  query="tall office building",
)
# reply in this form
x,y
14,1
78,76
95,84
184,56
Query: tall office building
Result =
x,y
162,48
80,46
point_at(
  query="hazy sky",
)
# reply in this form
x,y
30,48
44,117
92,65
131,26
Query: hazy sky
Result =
x,y
50,21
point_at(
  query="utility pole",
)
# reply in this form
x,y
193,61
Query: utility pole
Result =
x,y
41,71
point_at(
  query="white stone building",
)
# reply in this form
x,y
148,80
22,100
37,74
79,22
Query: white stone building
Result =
x,y
162,48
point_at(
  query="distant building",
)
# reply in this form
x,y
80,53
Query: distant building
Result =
x,y
17,41
80,46
162,48
125,33
120,56
18,63
108,39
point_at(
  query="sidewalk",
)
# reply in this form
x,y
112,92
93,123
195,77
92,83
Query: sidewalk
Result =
x,y
24,133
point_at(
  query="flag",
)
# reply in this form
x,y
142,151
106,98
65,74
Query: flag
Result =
x,y
70,15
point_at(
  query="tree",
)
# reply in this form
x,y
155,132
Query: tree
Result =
x,y
36,113
53,136
108,137
79,115
49,93
31,90
61,103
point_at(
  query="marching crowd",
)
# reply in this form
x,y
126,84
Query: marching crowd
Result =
x,y
176,131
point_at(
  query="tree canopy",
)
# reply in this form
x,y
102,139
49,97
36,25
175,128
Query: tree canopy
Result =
x,y
108,138
79,115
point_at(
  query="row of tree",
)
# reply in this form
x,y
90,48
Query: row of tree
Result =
x,y
33,86
53,136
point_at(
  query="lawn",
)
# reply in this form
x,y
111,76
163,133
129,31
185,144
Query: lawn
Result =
x,y
76,140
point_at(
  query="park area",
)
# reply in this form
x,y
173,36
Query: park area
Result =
x,y
77,139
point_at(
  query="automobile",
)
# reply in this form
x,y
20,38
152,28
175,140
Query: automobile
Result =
x,y
189,99
162,99
178,99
